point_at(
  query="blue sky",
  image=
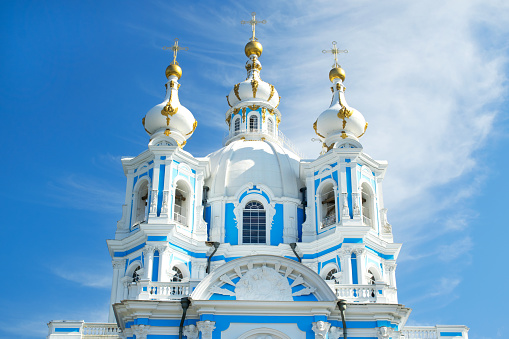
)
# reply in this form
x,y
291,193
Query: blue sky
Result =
x,y
429,76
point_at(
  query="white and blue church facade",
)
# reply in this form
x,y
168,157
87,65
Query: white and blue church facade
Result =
x,y
253,241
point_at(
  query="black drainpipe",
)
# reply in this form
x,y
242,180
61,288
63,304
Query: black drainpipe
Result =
x,y
185,302
204,199
293,246
216,246
342,308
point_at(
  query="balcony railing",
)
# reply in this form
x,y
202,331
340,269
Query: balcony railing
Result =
x,y
329,220
366,221
365,293
421,332
280,137
181,219
100,330
150,290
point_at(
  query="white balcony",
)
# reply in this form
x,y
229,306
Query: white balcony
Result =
x,y
100,331
179,218
150,290
435,332
380,293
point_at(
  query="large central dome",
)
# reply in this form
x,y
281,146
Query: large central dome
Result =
x,y
256,162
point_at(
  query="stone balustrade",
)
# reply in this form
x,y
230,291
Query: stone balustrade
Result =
x,y
100,331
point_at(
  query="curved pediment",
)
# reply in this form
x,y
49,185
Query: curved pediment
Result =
x,y
263,277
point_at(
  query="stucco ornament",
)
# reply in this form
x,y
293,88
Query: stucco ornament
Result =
x,y
321,328
191,332
384,332
335,332
263,283
206,327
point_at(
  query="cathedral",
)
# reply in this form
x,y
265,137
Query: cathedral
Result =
x,y
253,241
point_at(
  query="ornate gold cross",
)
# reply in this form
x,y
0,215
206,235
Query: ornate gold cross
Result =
x,y
175,48
253,23
335,51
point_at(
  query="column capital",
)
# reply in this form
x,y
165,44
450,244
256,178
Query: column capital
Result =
x,y
148,250
118,263
191,332
321,328
140,331
206,327
384,332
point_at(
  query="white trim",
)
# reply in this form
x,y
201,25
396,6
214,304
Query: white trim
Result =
x,y
264,330
270,212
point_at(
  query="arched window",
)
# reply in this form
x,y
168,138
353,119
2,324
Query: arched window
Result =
x,y
367,205
253,123
140,201
135,275
236,125
330,275
270,126
181,206
253,224
328,205
178,276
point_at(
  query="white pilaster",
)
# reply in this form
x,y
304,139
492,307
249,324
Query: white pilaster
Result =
x,y
206,328
321,328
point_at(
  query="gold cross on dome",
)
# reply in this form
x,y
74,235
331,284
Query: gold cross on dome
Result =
x,y
253,22
175,48
335,51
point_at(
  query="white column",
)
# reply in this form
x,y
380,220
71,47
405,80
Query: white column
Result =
x,y
346,265
321,328
148,252
126,281
360,254
390,270
206,328
309,226
118,265
335,332
155,192
164,256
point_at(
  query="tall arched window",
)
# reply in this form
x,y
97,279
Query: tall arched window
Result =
x,y
178,276
367,205
328,205
236,125
253,123
270,126
181,206
254,224
140,201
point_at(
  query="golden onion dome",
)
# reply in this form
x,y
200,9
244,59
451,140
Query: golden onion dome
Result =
x,y
173,69
253,47
337,73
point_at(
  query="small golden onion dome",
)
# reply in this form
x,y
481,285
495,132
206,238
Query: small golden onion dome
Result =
x,y
253,47
173,69
337,73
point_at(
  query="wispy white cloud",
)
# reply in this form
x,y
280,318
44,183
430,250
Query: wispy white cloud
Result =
x,y
84,192
86,278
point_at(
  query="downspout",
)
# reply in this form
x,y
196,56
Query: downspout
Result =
x,y
185,302
204,199
294,246
342,308
216,246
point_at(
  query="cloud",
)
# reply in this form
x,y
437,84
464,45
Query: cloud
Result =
x,y
87,278
442,289
85,193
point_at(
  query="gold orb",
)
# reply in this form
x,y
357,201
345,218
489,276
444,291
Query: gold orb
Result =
x,y
173,69
253,47
337,73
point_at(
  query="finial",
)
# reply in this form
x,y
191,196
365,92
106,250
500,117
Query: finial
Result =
x,y
335,51
175,48
253,22
174,68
